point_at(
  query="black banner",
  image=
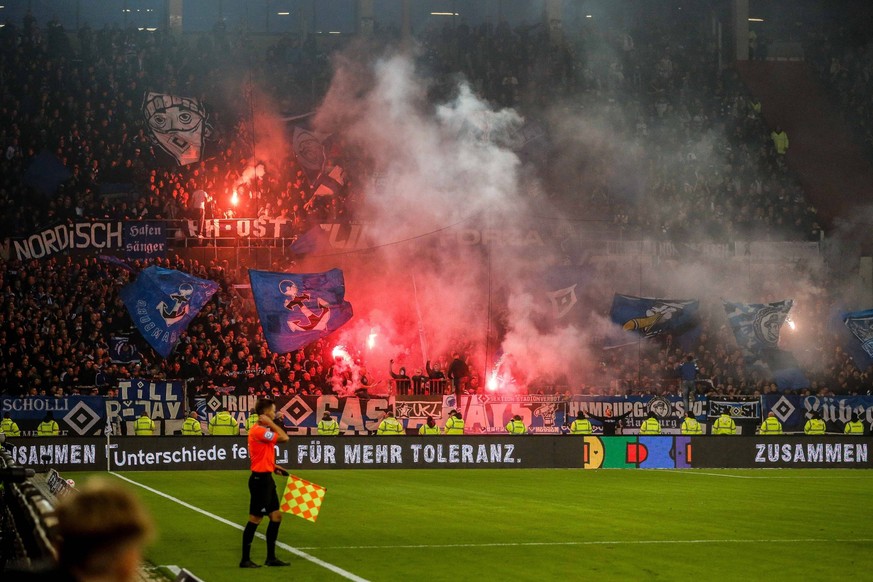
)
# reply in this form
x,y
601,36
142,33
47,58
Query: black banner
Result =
x,y
191,453
797,452
62,454
445,452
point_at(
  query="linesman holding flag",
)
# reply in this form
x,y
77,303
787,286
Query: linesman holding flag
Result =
x,y
263,438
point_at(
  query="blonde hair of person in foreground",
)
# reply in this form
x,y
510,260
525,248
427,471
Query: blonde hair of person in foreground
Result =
x,y
102,530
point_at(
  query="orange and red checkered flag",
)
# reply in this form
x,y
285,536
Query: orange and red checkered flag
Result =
x,y
302,498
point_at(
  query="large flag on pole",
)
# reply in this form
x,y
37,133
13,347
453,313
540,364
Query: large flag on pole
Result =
x,y
314,240
757,326
302,498
298,309
652,317
162,302
860,323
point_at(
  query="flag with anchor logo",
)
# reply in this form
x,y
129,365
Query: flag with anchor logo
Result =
x,y
162,302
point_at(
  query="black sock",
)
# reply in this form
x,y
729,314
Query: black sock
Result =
x,y
272,534
248,538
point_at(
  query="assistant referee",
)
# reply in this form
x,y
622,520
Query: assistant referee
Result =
x,y
264,499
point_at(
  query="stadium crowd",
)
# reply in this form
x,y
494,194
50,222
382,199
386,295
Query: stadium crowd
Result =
x,y
704,148
843,60
709,167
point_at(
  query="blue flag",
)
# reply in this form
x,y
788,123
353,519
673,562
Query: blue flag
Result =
x,y
560,285
162,302
109,259
314,240
860,323
652,317
298,309
757,325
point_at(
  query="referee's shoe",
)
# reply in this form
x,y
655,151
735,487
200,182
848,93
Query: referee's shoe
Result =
x,y
248,564
275,562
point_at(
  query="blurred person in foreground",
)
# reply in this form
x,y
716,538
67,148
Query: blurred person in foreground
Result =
x,y
101,532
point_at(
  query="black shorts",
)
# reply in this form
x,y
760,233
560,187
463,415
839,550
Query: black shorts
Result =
x,y
262,489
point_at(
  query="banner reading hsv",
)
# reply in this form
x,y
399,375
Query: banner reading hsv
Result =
x,y
162,302
298,309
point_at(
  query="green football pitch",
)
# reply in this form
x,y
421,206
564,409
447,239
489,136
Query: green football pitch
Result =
x,y
459,525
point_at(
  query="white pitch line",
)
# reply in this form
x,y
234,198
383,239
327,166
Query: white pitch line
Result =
x,y
296,551
798,477
590,543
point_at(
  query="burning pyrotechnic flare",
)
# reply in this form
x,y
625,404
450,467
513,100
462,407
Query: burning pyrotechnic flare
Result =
x,y
340,352
493,381
791,324
371,339
234,199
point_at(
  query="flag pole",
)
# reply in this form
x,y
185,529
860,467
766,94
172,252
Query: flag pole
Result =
x,y
421,335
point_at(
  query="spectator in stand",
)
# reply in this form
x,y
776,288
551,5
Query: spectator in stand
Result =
x,y
419,383
199,200
610,424
85,109
458,373
402,382
780,140
688,371
436,377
